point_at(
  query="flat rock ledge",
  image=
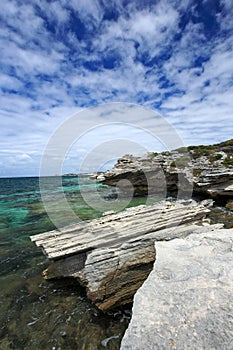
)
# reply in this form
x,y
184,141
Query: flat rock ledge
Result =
x,y
112,256
187,300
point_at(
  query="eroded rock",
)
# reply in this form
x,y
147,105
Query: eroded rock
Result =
x,y
206,170
112,256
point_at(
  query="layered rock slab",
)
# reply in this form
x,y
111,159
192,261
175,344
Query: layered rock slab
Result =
x,y
187,300
172,174
112,256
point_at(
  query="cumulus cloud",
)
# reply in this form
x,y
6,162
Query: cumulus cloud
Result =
x,y
59,57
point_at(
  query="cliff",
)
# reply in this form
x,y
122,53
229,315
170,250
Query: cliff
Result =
x,y
199,170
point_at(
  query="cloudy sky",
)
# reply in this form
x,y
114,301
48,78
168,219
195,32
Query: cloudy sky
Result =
x,y
60,57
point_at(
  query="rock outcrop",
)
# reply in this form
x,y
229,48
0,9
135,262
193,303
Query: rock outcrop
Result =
x,y
205,170
112,256
187,300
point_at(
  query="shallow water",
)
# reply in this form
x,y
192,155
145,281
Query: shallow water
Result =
x,y
36,314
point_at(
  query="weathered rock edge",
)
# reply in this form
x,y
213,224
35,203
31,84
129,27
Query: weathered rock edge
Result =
x,y
112,256
172,173
187,300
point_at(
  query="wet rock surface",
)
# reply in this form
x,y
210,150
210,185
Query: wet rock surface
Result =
x,y
187,301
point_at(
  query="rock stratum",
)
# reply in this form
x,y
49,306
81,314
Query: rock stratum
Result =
x,y
112,256
187,300
202,170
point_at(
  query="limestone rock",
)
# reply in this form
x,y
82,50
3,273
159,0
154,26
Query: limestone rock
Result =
x,y
114,229
112,256
111,275
100,177
187,301
216,182
205,170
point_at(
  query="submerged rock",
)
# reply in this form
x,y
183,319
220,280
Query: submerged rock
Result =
x,y
187,301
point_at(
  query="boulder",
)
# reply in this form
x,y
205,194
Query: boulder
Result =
x,y
187,300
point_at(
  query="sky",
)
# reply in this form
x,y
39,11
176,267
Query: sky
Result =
x,y
59,58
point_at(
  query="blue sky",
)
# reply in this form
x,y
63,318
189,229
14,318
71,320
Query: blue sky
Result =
x,y
59,57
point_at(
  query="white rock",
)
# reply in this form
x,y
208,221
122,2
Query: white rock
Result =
x,y
187,301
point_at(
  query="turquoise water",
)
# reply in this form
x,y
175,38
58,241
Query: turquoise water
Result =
x,y
35,314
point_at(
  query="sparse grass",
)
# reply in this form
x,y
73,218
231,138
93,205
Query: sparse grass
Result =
x,y
197,172
183,161
227,143
228,161
182,150
180,162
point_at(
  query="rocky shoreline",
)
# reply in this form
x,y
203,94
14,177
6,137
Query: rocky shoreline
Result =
x,y
205,171
167,253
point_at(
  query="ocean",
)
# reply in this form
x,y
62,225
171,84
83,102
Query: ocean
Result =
x,y
34,313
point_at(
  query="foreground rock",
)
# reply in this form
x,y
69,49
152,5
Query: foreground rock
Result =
x,y
112,256
187,301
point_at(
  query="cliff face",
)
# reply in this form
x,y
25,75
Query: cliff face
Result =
x,y
203,170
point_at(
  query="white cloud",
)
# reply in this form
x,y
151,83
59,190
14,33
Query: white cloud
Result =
x,y
45,74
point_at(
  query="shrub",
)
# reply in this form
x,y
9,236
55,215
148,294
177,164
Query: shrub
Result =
x,y
197,172
218,156
180,162
153,154
228,161
182,150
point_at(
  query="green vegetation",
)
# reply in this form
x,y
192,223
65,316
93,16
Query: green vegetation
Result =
x,y
213,157
166,153
180,162
153,154
228,161
182,150
218,156
197,172
211,150
201,150
225,143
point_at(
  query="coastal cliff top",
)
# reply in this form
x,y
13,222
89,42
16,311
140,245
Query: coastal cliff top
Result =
x,y
219,155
